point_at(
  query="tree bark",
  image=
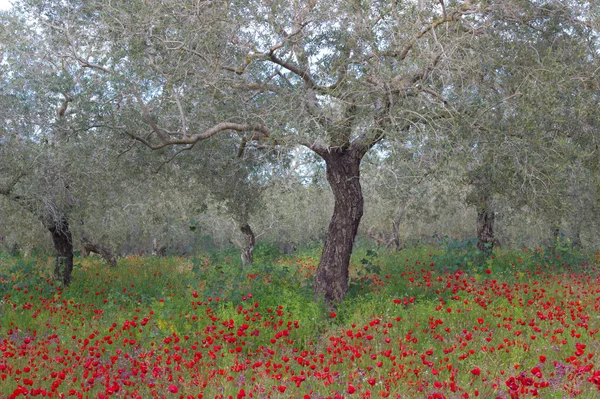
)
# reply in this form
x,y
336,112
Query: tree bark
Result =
x,y
105,252
485,227
343,175
158,251
391,240
576,241
396,233
61,237
248,250
63,243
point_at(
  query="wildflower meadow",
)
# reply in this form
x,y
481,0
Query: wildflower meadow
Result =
x,y
421,323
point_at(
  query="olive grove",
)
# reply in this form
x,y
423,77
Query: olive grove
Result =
x,y
473,102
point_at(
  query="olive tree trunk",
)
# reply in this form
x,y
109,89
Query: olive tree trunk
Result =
x,y
576,236
396,240
248,249
485,227
63,244
343,175
106,253
391,240
61,235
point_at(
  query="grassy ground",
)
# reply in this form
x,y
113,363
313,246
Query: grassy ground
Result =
x,y
423,323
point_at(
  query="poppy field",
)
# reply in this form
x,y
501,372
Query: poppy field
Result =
x,y
415,324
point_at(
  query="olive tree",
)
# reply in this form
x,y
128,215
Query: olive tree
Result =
x,y
234,178
522,105
46,167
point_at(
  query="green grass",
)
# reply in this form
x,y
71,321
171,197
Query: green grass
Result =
x,y
414,324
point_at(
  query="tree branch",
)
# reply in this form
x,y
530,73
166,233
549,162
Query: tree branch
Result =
x,y
403,53
87,64
6,190
435,94
236,243
166,141
303,73
318,147
184,124
187,148
149,120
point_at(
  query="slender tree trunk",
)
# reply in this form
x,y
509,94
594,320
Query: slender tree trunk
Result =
x,y
63,243
158,251
485,227
576,243
343,175
248,249
396,232
577,221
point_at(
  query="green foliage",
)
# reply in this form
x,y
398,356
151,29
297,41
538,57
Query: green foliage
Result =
x,y
362,280
460,255
18,274
369,263
265,252
561,255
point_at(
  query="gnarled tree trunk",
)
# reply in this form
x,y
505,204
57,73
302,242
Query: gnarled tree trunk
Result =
x,y
63,243
105,252
248,249
343,173
60,231
485,227
158,251
396,241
